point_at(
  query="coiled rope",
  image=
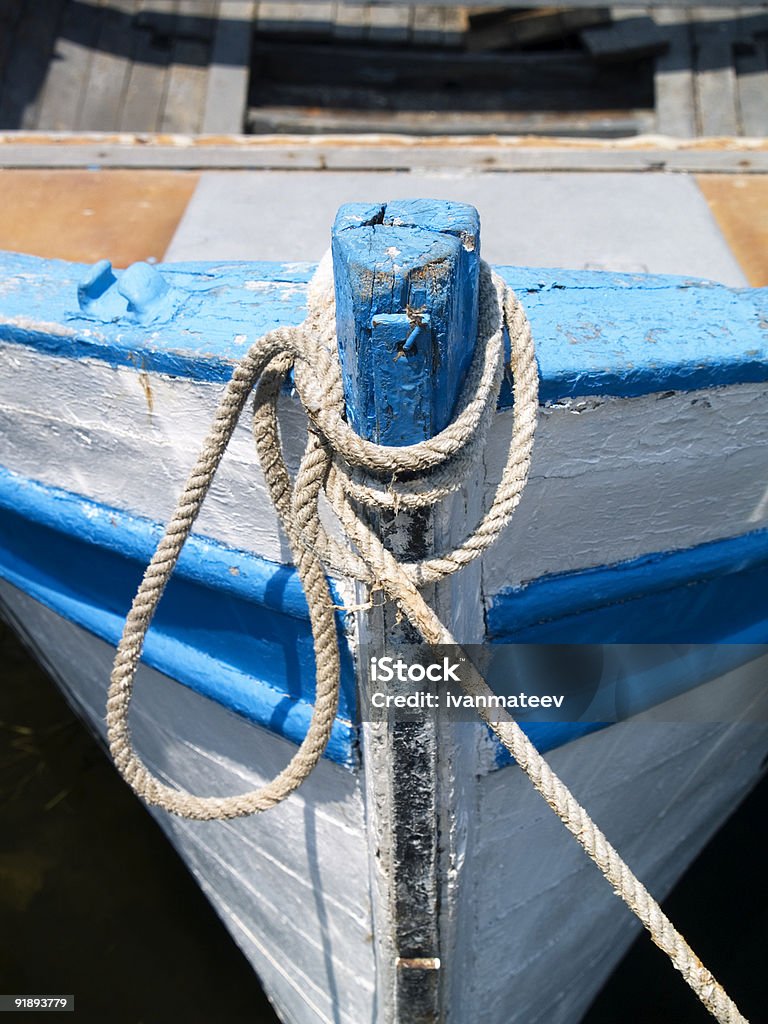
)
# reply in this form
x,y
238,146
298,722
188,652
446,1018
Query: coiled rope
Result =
x,y
355,476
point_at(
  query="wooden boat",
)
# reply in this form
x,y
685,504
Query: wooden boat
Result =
x,y
416,875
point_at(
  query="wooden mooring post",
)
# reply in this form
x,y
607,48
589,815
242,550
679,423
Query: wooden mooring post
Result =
x,y
406,279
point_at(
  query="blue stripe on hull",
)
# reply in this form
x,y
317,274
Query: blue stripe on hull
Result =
x,y
241,638
711,594
235,627
596,333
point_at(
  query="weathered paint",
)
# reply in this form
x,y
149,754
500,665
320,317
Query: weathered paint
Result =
x,y
596,333
83,560
645,467
291,886
230,626
403,259
483,906
545,930
713,593
406,282
377,152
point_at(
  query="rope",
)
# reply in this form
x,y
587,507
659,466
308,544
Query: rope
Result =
x,y
355,476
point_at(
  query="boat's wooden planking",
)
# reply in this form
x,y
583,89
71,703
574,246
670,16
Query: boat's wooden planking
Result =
x,y
597,333
291,886
657,785
610,456
660,786
126,406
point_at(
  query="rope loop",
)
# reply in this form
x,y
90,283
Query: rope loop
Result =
x,y
352,474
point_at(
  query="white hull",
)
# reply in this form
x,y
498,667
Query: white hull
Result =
x,y
537,929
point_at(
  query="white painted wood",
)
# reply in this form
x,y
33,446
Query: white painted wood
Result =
x,y
575,220
389,23
539,929
229,73
673,76
351,20
715,82
611,479
291,886
547,930
656,494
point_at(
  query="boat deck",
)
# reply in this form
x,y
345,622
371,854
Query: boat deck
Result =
x,y
715,225
189,66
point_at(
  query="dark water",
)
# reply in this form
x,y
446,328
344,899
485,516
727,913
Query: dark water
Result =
x,y
94,902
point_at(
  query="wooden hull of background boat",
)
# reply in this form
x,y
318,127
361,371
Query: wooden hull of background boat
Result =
x,y
647,494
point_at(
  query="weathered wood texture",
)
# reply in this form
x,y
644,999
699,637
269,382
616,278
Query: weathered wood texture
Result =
x,y
184,66
291,887
384,153
399,260
713,78
382,89
740,206
406,278
227,94
135,65
658,788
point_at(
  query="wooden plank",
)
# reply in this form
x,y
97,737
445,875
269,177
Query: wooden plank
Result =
x,y
427,25
312,20
84,215
351,20
715,81
196,18
226,97
455,25
389,259
633,34
187,85
393,152
102,102
146,86
752,84
389,23
740,205
67,80
27,64
148,75
673,76
285,119
524,29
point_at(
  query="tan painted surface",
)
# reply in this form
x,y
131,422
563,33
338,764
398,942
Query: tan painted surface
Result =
x,y
740,205
120,215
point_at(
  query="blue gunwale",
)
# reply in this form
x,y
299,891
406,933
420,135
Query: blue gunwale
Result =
x,y
597,333
45,531
232,626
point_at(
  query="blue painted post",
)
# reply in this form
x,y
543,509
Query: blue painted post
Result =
x,y
406,277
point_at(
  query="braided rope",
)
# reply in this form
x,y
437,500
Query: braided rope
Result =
x,y
355,474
